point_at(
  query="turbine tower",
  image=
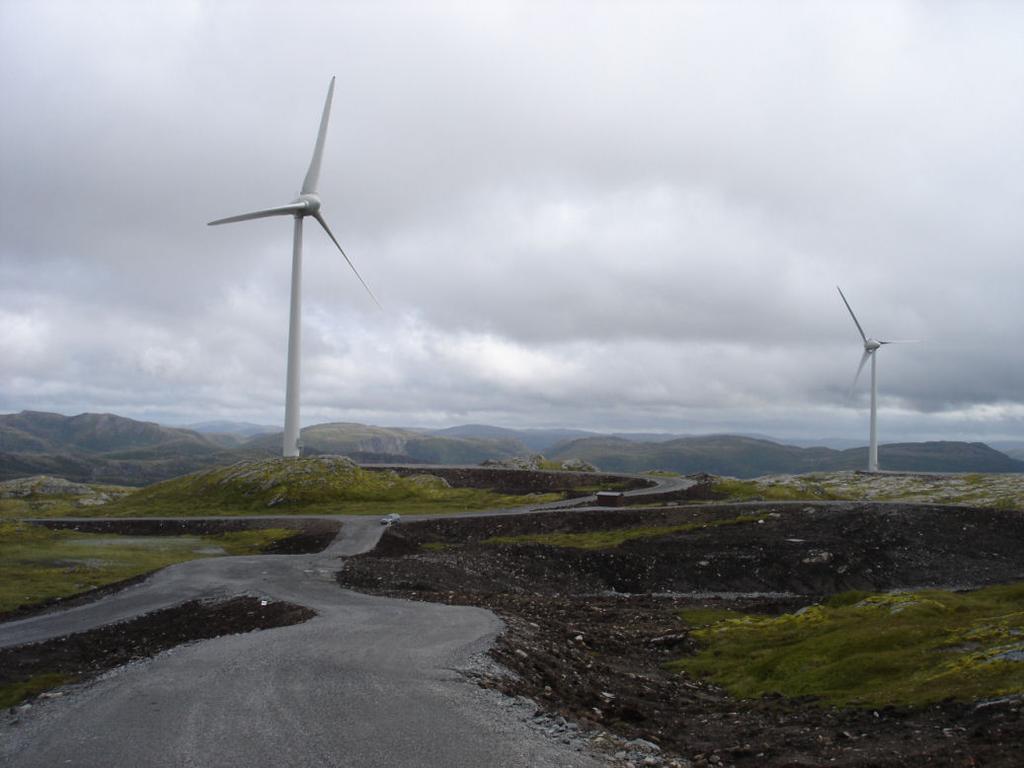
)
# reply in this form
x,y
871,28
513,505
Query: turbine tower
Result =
x,y
871,346
306,204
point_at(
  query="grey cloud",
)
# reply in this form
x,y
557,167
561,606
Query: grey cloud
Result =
x,y
591,215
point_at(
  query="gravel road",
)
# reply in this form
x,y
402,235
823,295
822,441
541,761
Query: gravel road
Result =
x,y
370,681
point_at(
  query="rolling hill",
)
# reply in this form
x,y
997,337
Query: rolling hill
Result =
x,y
112,449
751,457
377,445
101,447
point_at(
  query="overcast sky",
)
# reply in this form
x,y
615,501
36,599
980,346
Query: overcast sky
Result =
x,y
594,215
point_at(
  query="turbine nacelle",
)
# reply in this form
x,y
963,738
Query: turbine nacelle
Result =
x,y
311,202
870,345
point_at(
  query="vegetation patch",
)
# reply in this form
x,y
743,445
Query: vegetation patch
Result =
x,y
13,693
39,564
436,546
994,490
45,496
875,650
314,485
799,488
615,537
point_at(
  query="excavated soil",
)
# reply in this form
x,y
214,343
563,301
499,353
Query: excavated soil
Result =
x,y
588,631
85,655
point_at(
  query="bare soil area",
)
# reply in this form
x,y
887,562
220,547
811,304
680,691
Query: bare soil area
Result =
x,y
589,630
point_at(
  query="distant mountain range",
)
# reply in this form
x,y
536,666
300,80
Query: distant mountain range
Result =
x,y
102,447
750,457
114,449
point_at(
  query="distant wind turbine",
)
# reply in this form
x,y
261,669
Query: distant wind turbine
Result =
x,y
306,204
871,346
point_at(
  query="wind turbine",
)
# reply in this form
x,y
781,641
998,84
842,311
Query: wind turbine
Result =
x,y
306,204
871,346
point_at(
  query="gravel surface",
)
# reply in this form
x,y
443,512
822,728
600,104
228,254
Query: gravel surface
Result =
x,y
589,630
369,682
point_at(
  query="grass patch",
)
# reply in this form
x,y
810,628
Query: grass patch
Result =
x,y
705,617
61,505
38,564
904,649
13,693
613,538
804,489
315,485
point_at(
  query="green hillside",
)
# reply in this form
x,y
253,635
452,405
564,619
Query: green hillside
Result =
x,y
310,485
752,457
403,444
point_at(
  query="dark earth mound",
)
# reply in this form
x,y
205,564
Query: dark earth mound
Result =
x,y
782,547
84,655
596,655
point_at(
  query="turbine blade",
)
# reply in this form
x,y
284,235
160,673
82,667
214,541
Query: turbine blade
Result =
x,y
901,341
330,234
862,334
281,210
863,360
312,179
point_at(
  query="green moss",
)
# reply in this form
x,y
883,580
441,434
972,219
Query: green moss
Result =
x,y
38,564
704,617
316,485
846,598
60,505
613,538
14,693
744,490
910,649
552,464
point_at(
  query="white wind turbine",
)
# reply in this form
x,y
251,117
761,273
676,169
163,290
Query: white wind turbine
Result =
x,y
871,346
306,204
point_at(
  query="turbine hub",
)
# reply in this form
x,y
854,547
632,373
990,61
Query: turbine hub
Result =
x,y
871,345
312,202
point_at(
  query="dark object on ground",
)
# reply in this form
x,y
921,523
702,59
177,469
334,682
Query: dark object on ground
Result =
x,y
610,499
596,656
83,656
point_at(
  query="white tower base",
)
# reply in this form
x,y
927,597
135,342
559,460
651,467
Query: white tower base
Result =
x,y
291,398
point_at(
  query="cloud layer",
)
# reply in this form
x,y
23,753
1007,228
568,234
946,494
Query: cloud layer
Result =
x,y
625,216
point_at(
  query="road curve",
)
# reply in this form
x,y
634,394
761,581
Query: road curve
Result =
x,y
370,681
